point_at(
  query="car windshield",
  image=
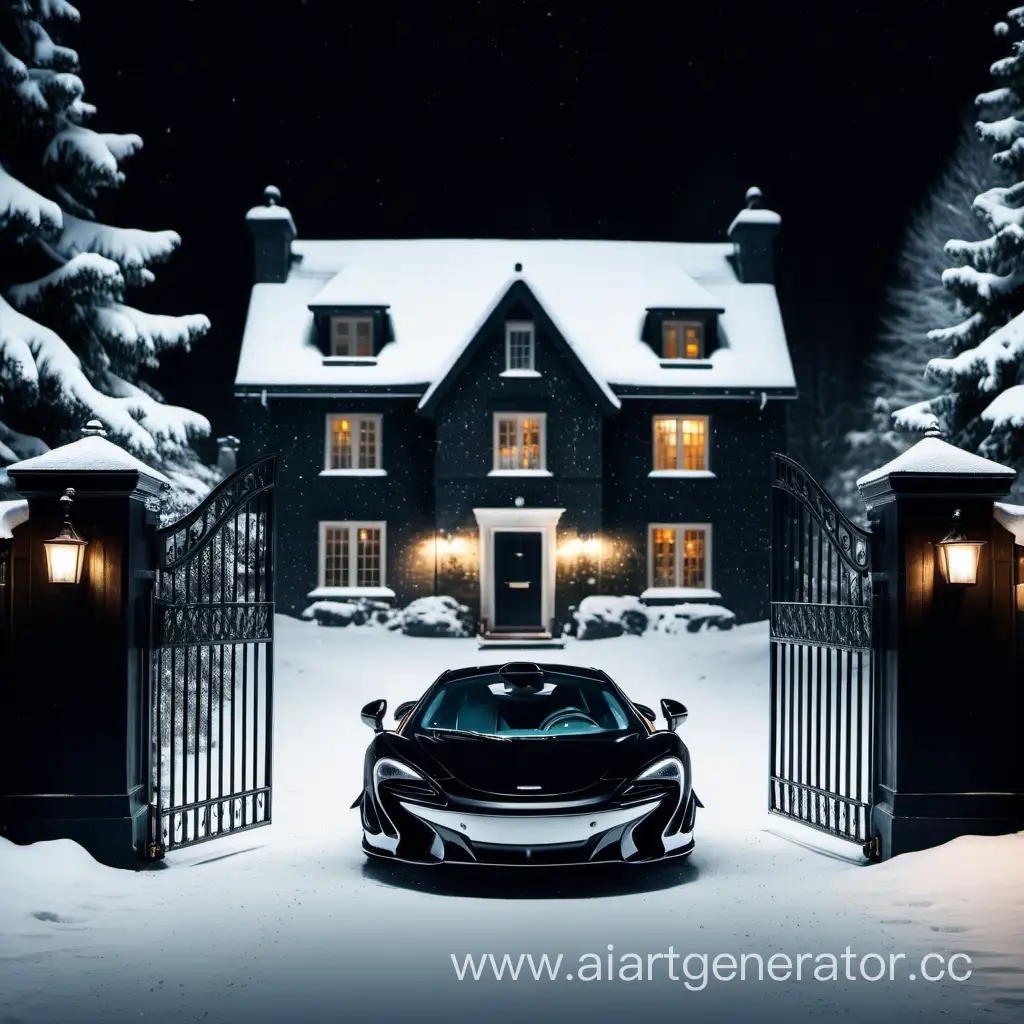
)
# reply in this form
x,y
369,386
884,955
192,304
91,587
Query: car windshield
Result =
x,y
563,705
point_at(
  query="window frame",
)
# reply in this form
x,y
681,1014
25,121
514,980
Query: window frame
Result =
x,y
353,319
357,418
679,470
351,527
497,417
512,326
682,323
679,528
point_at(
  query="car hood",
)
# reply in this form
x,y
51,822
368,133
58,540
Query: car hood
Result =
x,y
557,766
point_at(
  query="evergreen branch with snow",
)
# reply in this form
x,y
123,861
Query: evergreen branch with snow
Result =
x,y
71,347
979,379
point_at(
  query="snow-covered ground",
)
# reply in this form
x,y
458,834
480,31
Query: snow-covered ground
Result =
x,y
289,923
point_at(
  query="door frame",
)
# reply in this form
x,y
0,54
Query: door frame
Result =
x,y
518,520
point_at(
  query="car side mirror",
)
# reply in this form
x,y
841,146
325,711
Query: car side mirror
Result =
x,y
644,710
403,709
373,714
674,712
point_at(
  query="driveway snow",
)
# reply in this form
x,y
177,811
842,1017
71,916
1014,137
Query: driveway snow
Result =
x,y
289,923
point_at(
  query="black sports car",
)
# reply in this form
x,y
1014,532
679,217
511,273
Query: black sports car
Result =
x,y
526,764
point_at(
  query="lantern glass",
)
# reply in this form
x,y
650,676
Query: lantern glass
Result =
x,y
65,556
959,560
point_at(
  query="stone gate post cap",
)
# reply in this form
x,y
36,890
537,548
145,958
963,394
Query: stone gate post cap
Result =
x,y
90,454
933,458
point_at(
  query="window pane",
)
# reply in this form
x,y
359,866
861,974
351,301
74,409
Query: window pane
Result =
x,y
520,349
666,441
341,443
508,449
531,445
694,341
368,557
336,556
670,346
694,437
368,443
664,557
694,574
364,338
340,345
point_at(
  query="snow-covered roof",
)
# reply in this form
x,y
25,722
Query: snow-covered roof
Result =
x,y
1011,517
12,515
88,455
933,455
438,292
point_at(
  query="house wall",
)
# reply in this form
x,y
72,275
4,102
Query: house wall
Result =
x,y
438,473
735,502
295,428
465,454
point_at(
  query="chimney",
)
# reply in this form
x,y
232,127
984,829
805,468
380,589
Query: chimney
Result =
x,y
752,232
227,454
272,230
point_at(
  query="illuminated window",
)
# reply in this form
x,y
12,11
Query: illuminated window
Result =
x,y
352,554
680,556
353,442
519,345
519,441
680,442
351,336
682,339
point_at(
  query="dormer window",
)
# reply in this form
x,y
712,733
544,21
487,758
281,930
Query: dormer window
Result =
x,y
519,346
352,337
682,339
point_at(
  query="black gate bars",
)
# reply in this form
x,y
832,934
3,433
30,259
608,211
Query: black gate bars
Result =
x,y
212,669
823,672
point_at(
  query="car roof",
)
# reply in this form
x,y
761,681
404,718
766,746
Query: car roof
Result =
x,y
455,674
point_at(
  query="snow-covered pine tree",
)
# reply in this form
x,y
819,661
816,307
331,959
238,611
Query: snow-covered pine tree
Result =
x,y
916,303
70,348
981,402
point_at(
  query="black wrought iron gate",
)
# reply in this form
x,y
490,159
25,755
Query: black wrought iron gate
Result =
x,y
822,665
212,686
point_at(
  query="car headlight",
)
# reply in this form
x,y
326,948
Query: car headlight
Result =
x,y
387,769
665,770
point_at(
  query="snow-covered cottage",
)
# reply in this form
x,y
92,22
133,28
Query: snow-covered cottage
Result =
x,y
518,423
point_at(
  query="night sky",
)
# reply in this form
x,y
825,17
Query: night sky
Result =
x,y
529,119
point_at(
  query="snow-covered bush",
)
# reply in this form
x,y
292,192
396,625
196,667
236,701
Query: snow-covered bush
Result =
x,y
436,616
691,616
604,615
71,348
360,612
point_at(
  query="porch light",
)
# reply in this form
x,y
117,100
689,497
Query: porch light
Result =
x,y
958,556
65,553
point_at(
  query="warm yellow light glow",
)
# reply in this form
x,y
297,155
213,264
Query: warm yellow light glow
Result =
x,y
577,547
64,560
345,426
572,548
960,561
1020,597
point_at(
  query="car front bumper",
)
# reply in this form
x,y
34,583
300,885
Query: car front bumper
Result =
x,y
631,833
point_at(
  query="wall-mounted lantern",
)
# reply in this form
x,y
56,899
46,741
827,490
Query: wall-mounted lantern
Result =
x,y
958,556
65,553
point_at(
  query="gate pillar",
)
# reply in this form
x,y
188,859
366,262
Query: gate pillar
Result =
x,y
948,712
73,755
